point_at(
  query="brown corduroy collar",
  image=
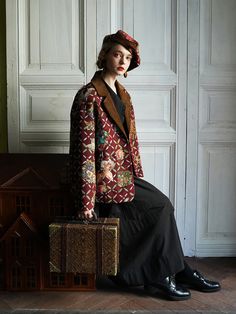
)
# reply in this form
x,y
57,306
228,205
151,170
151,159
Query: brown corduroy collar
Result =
x,y
102,91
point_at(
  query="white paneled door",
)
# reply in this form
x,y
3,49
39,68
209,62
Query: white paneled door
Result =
x,y
183,94
211,154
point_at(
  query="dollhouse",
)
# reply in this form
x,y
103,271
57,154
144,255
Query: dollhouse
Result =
x,y
33,192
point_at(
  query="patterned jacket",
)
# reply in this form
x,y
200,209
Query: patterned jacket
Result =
x,y
103,159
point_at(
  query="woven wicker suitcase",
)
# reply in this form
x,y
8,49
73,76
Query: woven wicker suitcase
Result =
x,y
91,248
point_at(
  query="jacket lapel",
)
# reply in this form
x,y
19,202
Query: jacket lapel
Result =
x,y
108,101
125,98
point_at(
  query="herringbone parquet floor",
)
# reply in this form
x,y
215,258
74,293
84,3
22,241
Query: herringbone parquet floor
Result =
x,y
109,298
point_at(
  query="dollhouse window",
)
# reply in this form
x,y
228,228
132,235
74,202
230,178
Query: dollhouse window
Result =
x,y
84,280
29,248
16,277
56,207
77,280
31,277
22,204
80,280
57,279
15,246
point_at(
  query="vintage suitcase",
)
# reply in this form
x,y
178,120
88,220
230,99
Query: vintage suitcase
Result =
x,y
91,248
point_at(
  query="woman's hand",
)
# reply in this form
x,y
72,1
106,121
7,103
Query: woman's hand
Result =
x,y
88,214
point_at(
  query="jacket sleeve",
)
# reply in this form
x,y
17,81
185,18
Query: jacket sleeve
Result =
x,y
133,137
82,151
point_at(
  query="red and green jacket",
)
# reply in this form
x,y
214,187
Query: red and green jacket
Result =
x,y
103,157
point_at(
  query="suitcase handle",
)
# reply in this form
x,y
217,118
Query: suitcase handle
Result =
x,y
76,220
87,221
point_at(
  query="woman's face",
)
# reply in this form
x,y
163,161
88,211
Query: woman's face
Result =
x,y
118,60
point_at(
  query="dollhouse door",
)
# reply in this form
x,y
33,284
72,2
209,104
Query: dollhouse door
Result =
x,y
183,94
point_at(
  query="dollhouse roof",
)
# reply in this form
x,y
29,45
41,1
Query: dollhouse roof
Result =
x,y
23,218
32,171
28,178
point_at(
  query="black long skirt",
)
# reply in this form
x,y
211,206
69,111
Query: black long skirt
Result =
x,y
150,249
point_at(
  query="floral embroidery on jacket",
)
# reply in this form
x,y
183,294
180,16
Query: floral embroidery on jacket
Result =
x,y
106,167
101,188
88,92
88,171
120,154
124,178
136,159
101,137
89,125
91,145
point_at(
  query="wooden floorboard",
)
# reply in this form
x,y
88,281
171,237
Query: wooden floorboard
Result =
x,y
110,299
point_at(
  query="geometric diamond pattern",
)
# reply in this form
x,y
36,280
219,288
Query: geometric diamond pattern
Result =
x,y
103,160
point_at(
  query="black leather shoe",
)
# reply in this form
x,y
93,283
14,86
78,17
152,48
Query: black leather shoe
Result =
x,y
198,282
168,288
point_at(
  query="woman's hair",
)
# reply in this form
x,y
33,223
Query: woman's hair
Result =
x,y
119,38
102,54
106,47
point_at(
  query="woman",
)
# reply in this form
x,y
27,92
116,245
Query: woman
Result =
x,y
106,173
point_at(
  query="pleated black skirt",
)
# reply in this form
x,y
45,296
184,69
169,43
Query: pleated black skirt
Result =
x,y
150,249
